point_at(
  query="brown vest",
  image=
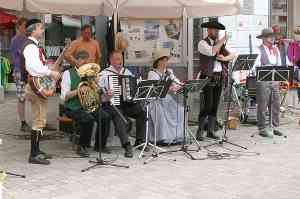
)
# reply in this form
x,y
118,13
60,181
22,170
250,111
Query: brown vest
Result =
x,y
207,62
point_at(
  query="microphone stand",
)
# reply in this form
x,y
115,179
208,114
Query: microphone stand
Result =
x,y
99,160
13,174
224,138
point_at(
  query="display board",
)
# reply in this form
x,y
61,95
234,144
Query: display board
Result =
x,y
145,36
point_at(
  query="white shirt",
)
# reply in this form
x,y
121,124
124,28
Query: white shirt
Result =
x,y
272,58
65,85
103,80
206,49
33,64
156,75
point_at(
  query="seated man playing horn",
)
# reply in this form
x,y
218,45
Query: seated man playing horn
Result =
x,y
76,110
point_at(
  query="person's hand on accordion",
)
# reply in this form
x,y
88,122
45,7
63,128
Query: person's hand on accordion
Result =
x,y
175,87
55,75
109,93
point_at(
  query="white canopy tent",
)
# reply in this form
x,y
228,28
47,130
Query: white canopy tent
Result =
x,y
133,9
66,7
127,8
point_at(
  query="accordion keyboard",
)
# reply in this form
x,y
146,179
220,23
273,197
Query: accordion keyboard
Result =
x,y
115,86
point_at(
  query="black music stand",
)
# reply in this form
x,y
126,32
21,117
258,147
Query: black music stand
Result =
x,y
190,86
245,62
273,74
146,91
13,174
99,160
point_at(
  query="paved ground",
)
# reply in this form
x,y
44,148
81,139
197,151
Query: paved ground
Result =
x,y
275,173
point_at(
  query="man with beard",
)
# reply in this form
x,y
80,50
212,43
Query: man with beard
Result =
x,y
212,66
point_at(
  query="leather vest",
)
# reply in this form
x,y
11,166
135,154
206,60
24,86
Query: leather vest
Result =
x,y
207,62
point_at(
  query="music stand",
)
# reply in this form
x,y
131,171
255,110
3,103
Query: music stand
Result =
x,y
273,74
244,62
150,90
190,86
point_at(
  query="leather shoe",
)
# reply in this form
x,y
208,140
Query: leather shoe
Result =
x,y
104,150
46,155
266,133
128,151
141,147
25,127
278,133
213,136
39,159
200,135
82,152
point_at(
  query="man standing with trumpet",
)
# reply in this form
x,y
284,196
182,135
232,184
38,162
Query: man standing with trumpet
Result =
x,y
212,67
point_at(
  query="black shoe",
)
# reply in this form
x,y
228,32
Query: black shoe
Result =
x,y
49,128
278,133
25,127
104,150
213,136
39,159
200,135
137,143
128,151
45,155
82,152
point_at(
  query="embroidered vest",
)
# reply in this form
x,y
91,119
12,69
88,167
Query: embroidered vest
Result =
x,y
42,57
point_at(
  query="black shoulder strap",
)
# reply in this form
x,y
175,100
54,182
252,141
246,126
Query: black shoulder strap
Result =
x,y
111,71
208,41
122,73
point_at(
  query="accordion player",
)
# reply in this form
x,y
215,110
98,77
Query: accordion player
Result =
x,y
123,88
119,84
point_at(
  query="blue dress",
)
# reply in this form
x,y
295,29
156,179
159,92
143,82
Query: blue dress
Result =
x,y
166,115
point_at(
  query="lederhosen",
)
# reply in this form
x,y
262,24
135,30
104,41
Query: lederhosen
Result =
x,y
35,134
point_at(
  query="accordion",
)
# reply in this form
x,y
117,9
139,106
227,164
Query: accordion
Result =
x,y
123,88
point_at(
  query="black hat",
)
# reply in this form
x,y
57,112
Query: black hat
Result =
x,y
32,21
213,24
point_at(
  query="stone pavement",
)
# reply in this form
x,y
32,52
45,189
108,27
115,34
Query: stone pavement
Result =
x,y
274,174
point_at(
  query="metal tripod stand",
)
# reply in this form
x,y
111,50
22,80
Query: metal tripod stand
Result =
x,y
13,174
224,138
99,160
184,148
156,150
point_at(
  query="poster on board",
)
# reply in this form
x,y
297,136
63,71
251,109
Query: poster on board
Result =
x,y
145,36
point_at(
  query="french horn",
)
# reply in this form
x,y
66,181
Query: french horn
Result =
x,y
88,91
